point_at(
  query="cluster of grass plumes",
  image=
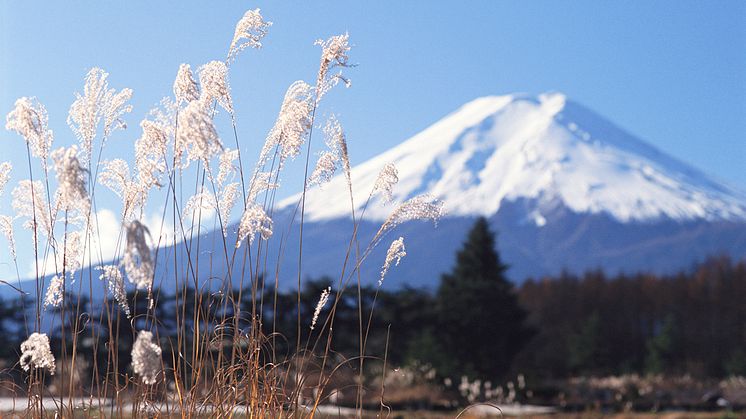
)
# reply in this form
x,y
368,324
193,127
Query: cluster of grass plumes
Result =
x,y
216,351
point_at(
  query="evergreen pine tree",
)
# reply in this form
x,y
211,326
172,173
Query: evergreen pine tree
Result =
x,y
481,326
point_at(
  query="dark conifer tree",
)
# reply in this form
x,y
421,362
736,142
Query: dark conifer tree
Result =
x,y
481,326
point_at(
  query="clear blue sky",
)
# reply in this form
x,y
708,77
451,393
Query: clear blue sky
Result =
x,y
671,72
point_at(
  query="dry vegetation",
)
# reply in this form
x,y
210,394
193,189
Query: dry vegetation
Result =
x,y
115,355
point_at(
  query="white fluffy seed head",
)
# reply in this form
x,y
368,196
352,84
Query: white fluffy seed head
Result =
x,y
71,178
254,220
197,134
294,120
333,55
151,147
54,294
213,78
115,283
154,139
228,198
421,207
30,120
226,166
6,228
29,202
320,305
336,155
198,204
146,358
85,111
260,182
36,353
293,123
137,261
96,103
115,175
249,33
393,256
385,182
326,165
336,139
114,108
73,256
5,169
185,87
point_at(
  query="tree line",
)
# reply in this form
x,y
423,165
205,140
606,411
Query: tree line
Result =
x,y
475,323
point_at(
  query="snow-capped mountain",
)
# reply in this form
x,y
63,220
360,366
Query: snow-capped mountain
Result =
x,y
564,189
546,149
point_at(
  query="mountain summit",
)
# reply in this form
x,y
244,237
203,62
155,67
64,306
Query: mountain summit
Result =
x,y
545,149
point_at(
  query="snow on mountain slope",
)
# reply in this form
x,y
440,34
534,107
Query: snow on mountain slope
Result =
x,y
547,149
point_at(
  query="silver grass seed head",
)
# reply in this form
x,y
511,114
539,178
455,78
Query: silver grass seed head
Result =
x,y
333,55
137,261
200,201
387,178
393,256
5,169
226,167
325,168
36,353
151,147
54,294
213,78
115,107
294,121
185,87
85,112
146,357
30,120
197,133
71,178
29,202
320,305
150,153
336,133
337,142
228,198
260,182
96,103
254,221
115,175
421,207
6,228
204,201
115,283
336,155
73,255
250,30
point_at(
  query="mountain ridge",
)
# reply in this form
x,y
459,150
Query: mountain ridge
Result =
x,y
546,147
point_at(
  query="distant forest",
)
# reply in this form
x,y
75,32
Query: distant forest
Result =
x,y
593,324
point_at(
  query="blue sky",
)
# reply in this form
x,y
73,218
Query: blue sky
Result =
x,y
671,72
